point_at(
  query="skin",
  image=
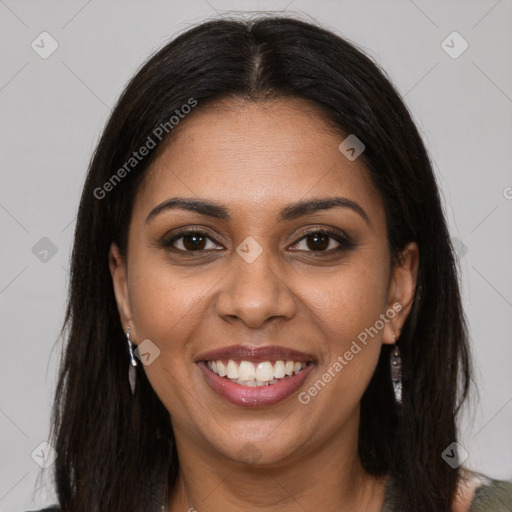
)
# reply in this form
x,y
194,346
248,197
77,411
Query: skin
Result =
x,y
256,158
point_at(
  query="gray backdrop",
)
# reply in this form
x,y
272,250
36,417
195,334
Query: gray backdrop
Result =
x,y
54,105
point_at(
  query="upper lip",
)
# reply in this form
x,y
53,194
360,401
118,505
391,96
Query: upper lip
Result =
x,y
255,354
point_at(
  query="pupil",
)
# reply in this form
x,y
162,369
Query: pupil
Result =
x,y
319,245
320,241
195,244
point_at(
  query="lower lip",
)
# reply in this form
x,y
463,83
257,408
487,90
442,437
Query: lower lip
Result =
x,y
255,396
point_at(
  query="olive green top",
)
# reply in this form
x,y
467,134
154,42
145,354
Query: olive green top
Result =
x,y
490,496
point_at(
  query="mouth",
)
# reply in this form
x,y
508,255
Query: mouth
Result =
x,y
258,376
246,373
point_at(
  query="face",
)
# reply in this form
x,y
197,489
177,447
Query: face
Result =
x,y
260,279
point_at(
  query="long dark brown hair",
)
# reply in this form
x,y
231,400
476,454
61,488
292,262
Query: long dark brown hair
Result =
x,y
116,452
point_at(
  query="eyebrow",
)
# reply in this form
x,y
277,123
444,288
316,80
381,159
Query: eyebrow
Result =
x,y
289,212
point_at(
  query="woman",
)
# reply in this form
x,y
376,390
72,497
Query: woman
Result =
x,y
264,311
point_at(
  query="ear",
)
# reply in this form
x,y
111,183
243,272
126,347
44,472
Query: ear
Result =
x,y
401,290
118,271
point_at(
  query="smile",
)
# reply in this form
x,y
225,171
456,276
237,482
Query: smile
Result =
x,y
253,376
246,373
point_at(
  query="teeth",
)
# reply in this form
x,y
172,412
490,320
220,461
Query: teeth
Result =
x,y
232,370
264,371
246,373
221,369
279,370
248,383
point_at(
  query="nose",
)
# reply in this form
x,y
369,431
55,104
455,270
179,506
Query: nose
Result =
x,y
254,292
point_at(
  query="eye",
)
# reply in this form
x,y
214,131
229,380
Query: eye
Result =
x,y
191,241
319,240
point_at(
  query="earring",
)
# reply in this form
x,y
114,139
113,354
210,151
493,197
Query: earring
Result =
x,y
132,374
396,372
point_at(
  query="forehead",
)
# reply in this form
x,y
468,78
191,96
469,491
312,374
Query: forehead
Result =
x,y
257,156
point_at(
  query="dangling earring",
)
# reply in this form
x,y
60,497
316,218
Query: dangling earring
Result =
x,y
132,374
396,372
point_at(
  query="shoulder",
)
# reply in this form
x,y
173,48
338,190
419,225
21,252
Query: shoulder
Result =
x,y
484,494
493,496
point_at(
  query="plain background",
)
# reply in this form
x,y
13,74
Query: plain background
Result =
x,y
53,111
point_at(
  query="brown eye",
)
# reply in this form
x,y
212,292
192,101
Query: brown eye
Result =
x,y
190,241
194,242
321,240
317,241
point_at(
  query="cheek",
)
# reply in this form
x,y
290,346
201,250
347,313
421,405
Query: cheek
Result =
x,y
348,302
349,310
165,302
166,309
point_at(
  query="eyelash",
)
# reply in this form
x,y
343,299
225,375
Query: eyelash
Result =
x,y
345,242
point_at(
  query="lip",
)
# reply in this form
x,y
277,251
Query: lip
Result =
x,y
255,354
255,396
259,395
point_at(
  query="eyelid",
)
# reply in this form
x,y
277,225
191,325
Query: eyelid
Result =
x,y
166,242
345,242
332,232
